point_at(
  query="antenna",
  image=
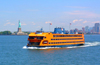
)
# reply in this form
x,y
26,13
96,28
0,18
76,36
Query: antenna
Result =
x,y
69,27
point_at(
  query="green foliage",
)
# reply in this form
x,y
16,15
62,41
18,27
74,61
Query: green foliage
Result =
x,y
15,32
5,33
27,32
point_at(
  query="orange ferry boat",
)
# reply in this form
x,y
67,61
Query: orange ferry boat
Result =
x,y
55,40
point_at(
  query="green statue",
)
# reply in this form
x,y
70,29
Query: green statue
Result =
x,y
19,24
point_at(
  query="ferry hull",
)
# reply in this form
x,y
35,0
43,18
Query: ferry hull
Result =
x,y
56,45
55,40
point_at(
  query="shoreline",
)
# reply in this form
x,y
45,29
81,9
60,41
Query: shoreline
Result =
x,y
27,35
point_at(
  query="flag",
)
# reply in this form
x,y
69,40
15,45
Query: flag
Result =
x,y
62,29
50,23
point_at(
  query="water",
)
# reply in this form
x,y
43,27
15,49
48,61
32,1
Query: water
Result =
x,y
14,52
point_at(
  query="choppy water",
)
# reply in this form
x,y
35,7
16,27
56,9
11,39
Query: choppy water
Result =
x,y
13,51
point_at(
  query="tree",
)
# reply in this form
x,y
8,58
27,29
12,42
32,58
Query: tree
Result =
x,y
5,33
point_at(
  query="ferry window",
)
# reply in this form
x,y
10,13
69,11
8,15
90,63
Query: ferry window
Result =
x,y
31,37
39,37
54,35
44,37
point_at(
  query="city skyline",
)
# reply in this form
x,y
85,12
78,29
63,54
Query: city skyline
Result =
x,y
34,15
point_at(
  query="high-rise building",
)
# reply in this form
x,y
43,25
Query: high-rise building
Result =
x,y
71,31
83,29
86,29
96,27
90,29
75,30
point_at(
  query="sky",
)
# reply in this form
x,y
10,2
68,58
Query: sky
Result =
x,y
37,14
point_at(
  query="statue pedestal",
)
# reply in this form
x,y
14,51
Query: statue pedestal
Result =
x,y
19,30
21,33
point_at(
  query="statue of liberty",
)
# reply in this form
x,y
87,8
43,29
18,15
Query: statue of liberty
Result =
x,y
19,24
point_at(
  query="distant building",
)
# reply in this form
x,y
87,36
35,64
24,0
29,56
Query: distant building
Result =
x,y
96,27
83,29
40,31
76,30
86,29
90,29
59,30
80,31
93,30
71,31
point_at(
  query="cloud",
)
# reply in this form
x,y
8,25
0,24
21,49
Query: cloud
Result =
x,y
83,14
12,24
23,24
76,13
81,20
8,23
78,25
48,22
84,21
7,20
77,20
76,7
96,22
33,23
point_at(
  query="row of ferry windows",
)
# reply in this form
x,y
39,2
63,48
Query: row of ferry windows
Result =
x,y
67,35
64,42
68,39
